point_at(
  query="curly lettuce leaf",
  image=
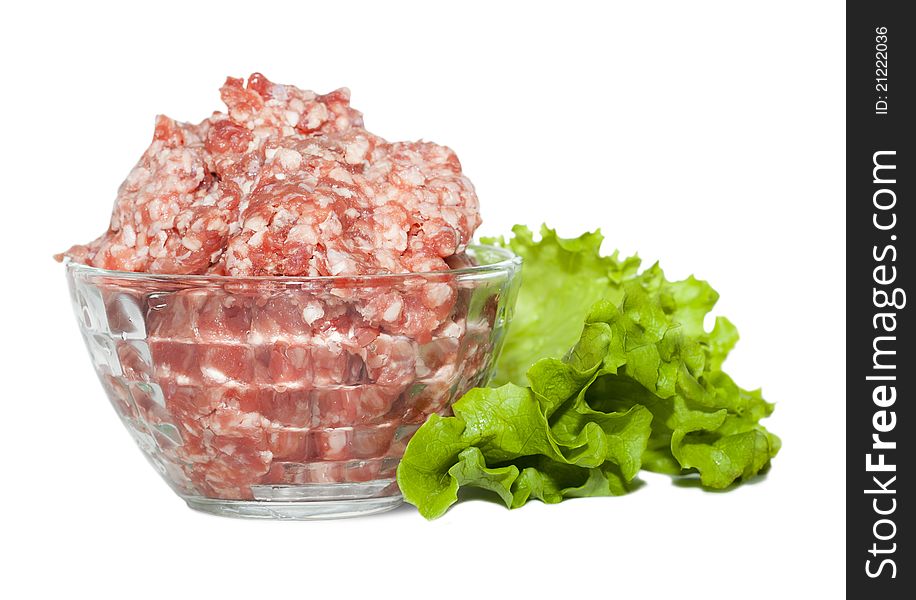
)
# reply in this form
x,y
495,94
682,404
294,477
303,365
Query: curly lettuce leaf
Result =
x,y
506,441
557,272
639,386
702,421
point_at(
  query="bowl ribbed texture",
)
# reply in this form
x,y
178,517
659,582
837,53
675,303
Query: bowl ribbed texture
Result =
x,y
286,390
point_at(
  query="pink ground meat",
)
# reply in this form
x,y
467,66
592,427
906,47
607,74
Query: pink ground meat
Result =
x,y
290,386
287,183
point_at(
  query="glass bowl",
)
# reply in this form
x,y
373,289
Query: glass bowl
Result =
x,y
290,397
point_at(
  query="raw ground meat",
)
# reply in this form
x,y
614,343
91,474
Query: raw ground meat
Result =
x,y
171,214
287,183
290,387
259,383
243,382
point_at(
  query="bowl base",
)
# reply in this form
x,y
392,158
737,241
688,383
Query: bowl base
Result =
x,y
309,510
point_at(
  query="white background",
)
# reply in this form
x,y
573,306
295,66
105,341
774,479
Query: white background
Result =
x,y
709,136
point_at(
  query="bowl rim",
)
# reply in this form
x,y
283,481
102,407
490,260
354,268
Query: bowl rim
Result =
x,y
509,262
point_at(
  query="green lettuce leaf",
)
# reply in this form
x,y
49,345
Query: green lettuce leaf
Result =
x,y
640,385
506,440
557,272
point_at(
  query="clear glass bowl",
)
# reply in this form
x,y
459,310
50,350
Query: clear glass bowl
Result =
x,y
290,397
